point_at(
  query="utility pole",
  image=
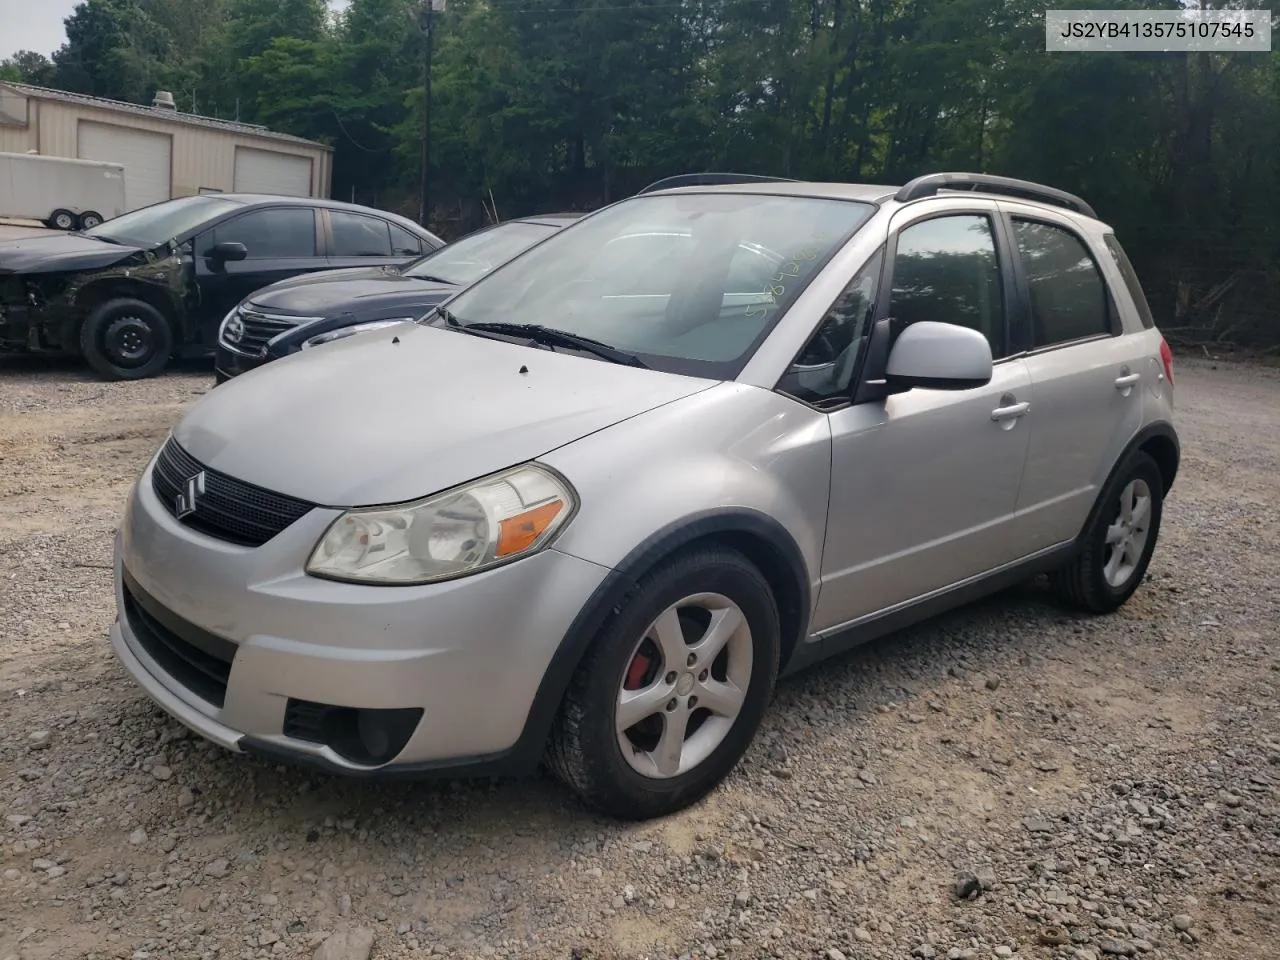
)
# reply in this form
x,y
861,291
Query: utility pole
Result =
x,y
425,18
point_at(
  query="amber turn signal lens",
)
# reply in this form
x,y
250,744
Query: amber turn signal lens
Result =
x,y
519,532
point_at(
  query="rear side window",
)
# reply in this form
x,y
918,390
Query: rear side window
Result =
x,y
1130,280
271,234
404,243
358,236
1068,296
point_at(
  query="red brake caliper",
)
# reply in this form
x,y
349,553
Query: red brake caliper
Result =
x,y
636,671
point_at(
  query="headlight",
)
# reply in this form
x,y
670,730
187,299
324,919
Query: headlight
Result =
x,y
232,327
465,530
352,331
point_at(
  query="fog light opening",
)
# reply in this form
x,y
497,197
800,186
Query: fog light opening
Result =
x,y
375,736
366,737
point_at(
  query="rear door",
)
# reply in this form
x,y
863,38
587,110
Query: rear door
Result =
x,y
362,240
1087,374
282,242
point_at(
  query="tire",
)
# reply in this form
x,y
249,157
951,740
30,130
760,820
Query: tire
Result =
x,y
126,339
713,587
89,219
1096,580
62,220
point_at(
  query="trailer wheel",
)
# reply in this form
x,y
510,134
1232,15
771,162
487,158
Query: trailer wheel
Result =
x,y
126,339
90,219
62,220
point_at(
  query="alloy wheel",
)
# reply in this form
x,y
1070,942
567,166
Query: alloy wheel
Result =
x,y
684,686
1127,534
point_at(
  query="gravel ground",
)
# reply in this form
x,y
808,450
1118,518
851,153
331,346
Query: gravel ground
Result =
x,y
1010,780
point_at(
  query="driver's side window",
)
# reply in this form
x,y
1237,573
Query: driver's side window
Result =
x,y
823,372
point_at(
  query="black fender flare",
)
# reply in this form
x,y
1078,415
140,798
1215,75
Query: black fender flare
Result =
x,y
1168,457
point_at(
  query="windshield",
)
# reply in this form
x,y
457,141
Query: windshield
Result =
x,y
470,258
689,283
154,225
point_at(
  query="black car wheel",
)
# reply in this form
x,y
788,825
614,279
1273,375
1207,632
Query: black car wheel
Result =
x,y
126,339
62,220
90,219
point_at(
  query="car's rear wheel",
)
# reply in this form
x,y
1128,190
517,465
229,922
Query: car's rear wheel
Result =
x,y
673,689
90,219
1121,537
126,339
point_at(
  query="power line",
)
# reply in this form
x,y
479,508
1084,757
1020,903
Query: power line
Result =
x,y
343,127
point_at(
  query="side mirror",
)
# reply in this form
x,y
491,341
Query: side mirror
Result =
x,y
939,356
228,251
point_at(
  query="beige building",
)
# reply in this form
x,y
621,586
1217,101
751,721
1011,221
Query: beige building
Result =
x,y
165,153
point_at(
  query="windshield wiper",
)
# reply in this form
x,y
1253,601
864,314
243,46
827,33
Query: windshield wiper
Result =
x,y
551,337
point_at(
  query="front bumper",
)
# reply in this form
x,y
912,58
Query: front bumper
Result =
x,y
469,653
228,363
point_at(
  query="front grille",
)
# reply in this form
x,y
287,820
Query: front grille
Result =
x,y
195,658
227,509
260,329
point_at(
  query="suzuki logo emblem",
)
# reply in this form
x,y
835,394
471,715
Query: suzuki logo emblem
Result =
x,y
189,496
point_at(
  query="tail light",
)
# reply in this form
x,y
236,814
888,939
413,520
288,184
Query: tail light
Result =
x,y
1166,357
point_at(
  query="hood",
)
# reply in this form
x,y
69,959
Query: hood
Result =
x,y
60,252
367,421
330,293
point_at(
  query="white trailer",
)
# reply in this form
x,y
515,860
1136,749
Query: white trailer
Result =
x,y
64,194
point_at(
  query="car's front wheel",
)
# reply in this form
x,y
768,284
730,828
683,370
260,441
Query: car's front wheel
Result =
x,y
1117,545
671,693
126,339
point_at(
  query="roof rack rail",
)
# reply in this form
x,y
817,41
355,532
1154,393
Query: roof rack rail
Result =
x,y
929,185
710,179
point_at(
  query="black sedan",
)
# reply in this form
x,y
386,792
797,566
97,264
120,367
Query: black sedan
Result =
x,y
304,312
137,290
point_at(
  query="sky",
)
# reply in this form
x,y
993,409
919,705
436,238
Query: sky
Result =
x,y
33,25
37,24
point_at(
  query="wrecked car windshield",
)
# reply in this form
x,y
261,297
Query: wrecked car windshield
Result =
x,y
470,258
152,226
688,283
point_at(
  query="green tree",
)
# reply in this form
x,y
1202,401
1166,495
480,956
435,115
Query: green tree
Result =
x,y
27,66
114,49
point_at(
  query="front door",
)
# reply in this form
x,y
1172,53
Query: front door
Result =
x,y
924,484
281,243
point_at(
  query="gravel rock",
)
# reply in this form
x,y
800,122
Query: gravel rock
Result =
x,y
346,945
217,868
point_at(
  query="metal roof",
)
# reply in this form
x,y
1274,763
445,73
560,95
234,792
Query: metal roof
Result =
x,y
154,113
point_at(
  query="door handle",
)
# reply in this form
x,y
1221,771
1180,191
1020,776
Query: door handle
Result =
x,y
1011,412
1127,380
